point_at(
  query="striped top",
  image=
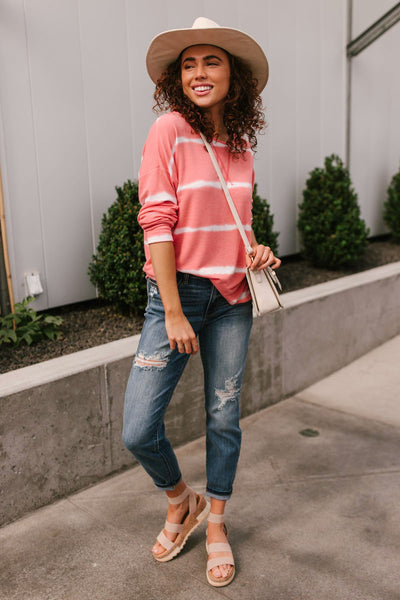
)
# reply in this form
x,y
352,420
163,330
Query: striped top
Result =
x,y
183,202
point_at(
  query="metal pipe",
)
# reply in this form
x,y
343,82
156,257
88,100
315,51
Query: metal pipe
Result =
x,y
348,84
374,31
5,254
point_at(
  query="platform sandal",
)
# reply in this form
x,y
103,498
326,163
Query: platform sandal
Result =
x,y
197,513
226,559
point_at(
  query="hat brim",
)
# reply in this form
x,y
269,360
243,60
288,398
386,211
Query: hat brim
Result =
x,y
166,47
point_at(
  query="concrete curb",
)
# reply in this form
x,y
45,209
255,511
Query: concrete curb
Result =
x,y
62,418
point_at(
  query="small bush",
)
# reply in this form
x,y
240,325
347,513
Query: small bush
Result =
x,y
391,212
117,268
29,326
332,231
263,222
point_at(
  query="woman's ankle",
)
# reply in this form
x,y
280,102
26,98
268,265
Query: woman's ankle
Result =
x,y
178,490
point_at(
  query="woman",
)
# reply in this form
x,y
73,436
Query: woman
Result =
x,y
210,79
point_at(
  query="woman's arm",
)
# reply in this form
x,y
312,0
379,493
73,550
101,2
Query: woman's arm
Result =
x,y
262,256
180,332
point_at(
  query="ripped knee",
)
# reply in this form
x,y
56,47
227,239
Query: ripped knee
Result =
x,y
230,393
151,362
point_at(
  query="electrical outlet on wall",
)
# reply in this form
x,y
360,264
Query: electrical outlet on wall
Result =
x,y
33,286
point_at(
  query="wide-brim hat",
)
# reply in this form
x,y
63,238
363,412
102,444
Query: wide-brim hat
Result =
x,y
166,47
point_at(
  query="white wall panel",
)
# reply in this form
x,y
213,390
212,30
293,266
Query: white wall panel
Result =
x,y
19,160
309,69
280,102
107,102
143,22
305,102
375,125
83,109
224,12
58,115
333,75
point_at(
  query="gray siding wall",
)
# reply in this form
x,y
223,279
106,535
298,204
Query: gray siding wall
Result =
x,y
375,114
75,108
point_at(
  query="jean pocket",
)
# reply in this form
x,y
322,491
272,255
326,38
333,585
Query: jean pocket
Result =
x,y
152,289
180,279
152,286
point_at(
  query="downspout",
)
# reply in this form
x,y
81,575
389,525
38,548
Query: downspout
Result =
x,y
6,289
348,83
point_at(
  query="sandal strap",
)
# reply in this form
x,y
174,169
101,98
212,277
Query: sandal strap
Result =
x,y
214,518
218,547
220,560
164,541
173,527
179,499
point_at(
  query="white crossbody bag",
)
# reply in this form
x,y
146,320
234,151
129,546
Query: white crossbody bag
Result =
x,y
262,284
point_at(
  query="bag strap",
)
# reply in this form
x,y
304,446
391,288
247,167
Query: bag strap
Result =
x,y
238,222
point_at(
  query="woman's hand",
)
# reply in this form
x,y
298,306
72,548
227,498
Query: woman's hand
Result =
x,y
262,257
179,331
180,334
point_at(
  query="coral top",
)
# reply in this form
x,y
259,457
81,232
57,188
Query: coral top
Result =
x,y
183,202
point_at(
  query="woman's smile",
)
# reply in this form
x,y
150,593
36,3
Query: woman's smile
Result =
x,y
202,90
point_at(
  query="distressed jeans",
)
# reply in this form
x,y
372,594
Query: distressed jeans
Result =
x,y
223,332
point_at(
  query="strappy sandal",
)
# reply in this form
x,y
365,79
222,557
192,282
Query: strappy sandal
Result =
x,y
198,511
226,559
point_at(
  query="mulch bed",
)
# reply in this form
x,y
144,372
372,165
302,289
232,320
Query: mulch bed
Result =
x,y
88,324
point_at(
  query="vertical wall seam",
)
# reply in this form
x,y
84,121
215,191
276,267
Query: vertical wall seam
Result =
x,y
348,83
7,203
297,136
36,149
85,113
322,59
268,144
130,88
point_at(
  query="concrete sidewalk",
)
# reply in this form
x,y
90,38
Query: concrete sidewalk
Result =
x,y
311,518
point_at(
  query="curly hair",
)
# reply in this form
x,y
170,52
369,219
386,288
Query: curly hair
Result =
x,y
243,111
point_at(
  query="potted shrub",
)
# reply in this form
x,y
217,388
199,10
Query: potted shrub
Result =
x,y
332,232
391,214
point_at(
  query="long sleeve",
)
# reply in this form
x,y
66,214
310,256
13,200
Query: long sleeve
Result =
x,y
157,185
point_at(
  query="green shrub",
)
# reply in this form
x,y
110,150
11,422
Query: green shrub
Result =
x,y
117,267
29,326
391,212
332,232
263,222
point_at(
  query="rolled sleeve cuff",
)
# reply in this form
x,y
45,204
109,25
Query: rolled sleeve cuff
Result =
x,y
158,236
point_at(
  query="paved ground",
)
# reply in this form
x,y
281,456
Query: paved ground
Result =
x,y
312,518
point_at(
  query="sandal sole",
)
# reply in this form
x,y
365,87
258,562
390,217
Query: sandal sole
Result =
x,y
216,583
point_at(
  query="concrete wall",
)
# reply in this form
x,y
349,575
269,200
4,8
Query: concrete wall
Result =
x,y
62,419
76,106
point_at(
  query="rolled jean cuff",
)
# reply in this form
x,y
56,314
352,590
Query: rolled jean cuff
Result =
x,y
218,495
169,488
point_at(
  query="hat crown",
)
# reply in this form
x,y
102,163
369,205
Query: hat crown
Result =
x,y
204,23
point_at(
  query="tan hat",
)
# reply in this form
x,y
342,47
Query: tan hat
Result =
x,y
167,46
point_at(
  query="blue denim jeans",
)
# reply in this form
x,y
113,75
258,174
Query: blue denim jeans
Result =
x,y
223,332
